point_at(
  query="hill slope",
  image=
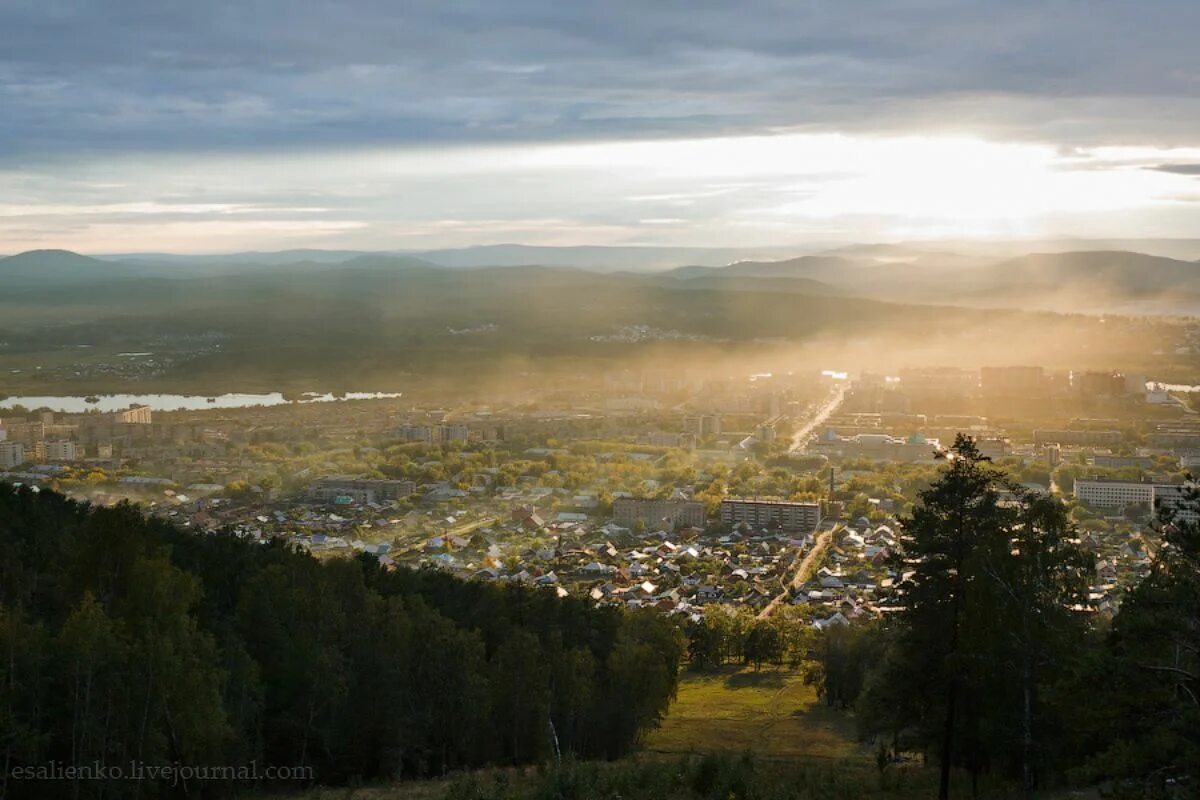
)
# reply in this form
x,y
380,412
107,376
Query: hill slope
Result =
x,y
822,268
55,265
1113,270
1089,281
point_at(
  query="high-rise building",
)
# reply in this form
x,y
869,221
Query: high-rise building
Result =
x,y
12,454
1053,454
703,425
452,432
434,434
416,433
134,415
65,450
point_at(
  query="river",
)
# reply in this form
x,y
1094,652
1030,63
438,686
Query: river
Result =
x,y
179,402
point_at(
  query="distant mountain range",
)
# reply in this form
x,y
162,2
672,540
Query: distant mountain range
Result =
x,y
594,258
651,258
365,319
1096,281
1090,281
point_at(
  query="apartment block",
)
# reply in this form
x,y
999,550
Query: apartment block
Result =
x,y
780,514
12,454
65,450
672,513
1112,493
342,488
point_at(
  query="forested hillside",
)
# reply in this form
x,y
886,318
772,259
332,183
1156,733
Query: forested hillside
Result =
x,y
127,641
383,324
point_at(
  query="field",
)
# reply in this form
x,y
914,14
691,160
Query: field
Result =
x,y
771,713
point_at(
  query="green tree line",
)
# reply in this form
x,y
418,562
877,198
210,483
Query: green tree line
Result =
x,y
126,640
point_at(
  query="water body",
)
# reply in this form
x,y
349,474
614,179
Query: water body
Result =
x,y
180,402
1171,387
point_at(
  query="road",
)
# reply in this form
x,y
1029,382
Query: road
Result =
x,y
800,437
471,527
1184,404
808,565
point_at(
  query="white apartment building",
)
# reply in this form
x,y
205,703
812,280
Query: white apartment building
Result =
x,y
1113,494
1177,499
1116,495
134,415
12,454
65,450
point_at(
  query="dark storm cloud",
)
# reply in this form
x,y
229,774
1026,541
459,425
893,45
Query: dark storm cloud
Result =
x,y
134,75
1178,169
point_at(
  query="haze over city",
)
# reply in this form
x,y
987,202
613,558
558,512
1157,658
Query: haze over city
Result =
x,y
527,399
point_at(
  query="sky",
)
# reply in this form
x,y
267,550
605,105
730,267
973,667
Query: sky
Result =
x,y
150,125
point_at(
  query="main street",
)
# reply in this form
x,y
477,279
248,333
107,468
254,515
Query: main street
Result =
x,y
802,434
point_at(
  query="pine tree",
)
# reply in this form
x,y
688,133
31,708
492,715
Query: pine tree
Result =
x,y
991,574
943,598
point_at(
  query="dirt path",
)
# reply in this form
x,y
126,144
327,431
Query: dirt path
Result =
x,y
808,565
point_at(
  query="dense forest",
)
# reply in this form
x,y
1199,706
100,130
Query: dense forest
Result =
x,y
990,661
126,641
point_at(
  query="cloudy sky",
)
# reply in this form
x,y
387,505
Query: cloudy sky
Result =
x,y
140,125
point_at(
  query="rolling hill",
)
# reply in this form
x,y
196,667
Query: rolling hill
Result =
x,y
1093,281
823,268
1085,281
1113,270
383,320
55,265
597,258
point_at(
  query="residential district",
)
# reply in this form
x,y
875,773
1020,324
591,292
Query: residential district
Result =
x,y
674,491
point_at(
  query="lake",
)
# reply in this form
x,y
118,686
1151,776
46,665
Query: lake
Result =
x,y
180,402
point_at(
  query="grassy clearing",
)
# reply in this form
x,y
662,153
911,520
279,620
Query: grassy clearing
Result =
x,y
771,713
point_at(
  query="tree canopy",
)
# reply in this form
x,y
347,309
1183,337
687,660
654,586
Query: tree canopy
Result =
x,y
126,640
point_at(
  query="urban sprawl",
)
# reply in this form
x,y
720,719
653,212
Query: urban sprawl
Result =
x,y
672,491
